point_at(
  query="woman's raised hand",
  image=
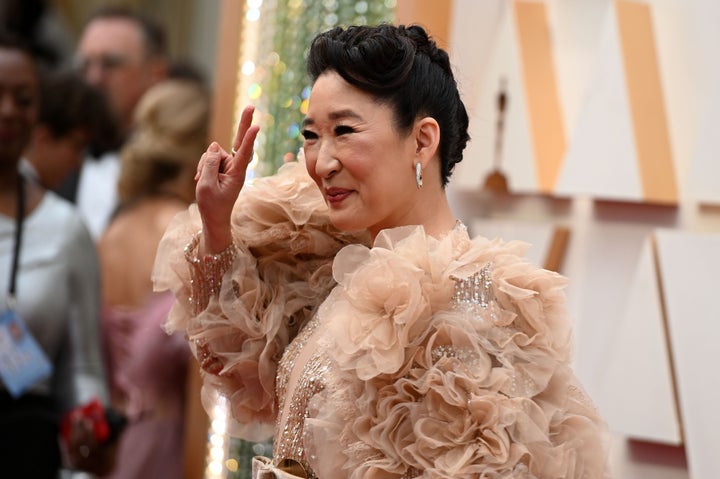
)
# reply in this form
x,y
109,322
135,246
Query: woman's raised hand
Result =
x,y
220,177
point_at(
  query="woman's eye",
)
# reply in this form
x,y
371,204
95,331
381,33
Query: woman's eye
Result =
x,y
309,135
343,130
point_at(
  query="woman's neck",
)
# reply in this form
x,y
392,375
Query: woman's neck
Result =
x,y
434,215
8,190
442,220
181,187
9,193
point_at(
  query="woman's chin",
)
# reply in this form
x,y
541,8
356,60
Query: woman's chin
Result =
x,y
346,222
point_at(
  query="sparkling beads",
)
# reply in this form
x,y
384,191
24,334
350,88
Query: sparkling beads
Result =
x,y
206,272
474,293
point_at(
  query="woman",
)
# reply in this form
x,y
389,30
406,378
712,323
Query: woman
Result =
x,y
357,316
148,368
49,292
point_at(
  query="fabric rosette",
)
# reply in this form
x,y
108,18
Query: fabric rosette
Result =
x,y
282,271
428,389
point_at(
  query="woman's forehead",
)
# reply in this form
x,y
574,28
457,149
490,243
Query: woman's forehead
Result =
x,y
332,97
16,64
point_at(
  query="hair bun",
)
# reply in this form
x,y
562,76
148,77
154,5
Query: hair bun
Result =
x,y
425,45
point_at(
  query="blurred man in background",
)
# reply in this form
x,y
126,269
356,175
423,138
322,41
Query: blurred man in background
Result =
x,y
124,54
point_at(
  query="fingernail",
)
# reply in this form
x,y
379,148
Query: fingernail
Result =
x,y
213,147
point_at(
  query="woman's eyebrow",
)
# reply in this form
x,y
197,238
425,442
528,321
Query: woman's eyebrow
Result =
x,y
336,115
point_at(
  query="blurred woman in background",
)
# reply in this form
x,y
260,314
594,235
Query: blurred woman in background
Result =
x,y
148,368
49,293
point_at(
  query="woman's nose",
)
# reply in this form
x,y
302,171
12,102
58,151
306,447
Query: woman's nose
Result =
x,y
327,163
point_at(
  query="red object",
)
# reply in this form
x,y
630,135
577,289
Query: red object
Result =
x,y
94,411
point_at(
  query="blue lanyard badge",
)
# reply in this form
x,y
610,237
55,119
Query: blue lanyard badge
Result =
x,y
22,361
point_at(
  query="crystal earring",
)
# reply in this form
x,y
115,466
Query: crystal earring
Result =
x,y
418,175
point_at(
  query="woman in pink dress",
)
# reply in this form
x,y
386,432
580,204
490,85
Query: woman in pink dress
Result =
x,y
148,367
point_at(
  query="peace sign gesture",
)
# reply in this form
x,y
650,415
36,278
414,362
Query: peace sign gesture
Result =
x,y
220,177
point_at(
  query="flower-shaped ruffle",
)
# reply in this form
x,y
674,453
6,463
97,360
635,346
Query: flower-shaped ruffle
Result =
x,y
422,386
282,272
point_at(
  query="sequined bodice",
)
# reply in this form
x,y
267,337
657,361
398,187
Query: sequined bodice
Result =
x,y
301,374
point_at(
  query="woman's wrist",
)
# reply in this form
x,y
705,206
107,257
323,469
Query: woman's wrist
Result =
x,y
213,241
207,270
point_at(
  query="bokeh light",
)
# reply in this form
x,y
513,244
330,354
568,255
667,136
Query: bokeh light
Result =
x,y
255,91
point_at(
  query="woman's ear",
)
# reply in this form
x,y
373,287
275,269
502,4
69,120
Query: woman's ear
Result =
x,y
427,139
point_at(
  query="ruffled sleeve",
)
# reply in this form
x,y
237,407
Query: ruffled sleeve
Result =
x,y
282,271
427,387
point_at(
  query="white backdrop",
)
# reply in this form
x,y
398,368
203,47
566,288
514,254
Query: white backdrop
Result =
x,y
611,286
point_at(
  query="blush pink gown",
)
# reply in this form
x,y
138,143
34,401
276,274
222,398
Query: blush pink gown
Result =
x,y
147,371
412,357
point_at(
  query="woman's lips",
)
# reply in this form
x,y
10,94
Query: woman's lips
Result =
x,y
336,195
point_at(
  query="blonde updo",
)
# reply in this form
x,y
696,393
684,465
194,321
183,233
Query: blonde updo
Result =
x,y
170,134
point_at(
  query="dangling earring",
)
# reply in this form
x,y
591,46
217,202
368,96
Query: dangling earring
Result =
x,y
418,175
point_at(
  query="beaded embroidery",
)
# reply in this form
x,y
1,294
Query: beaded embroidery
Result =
x,y
206,273
289,440
474,294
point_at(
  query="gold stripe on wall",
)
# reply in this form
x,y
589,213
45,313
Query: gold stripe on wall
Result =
x,y
197,422
541,91
222,123
434,16
642,75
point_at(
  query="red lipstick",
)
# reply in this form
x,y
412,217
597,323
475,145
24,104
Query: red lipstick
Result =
x,y
335,195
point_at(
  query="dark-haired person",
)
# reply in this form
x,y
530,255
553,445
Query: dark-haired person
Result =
x,y
72,117
49,293
123,53
341,307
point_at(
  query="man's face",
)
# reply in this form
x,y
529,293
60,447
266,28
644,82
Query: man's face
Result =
x,y
112,56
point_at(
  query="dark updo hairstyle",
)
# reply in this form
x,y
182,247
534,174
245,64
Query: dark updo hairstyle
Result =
x,y
400,66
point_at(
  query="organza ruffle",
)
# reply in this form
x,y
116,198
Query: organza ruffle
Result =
x,y
417,387
422,388
281,274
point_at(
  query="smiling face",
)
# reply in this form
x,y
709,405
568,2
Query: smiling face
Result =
x,y
362,164
19,93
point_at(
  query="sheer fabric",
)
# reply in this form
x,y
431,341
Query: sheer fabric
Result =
x,y
364,360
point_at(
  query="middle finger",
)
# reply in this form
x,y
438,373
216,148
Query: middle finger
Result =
x,y
243,126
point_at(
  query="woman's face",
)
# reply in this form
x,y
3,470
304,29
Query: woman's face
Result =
x,y
18,103
361,163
